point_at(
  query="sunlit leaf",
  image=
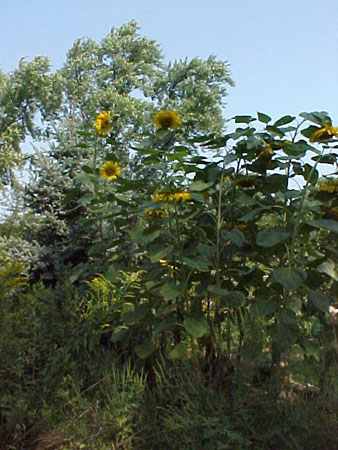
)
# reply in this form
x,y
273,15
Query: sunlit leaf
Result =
x,y
179,352
283,121
330,268
200,185
263,117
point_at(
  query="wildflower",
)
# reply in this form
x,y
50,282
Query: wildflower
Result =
x,y
324,133
155,212
102,123
166,119
162,197
110,170
246,182
180,196
330,185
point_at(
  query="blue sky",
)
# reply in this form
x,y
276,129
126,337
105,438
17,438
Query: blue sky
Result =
x,y
283,53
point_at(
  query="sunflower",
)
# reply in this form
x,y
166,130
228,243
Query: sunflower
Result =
x,y
180,196
155,212
163,197
324,133
102,123
330,185
266,154
246,182
332,213
166,119
110,170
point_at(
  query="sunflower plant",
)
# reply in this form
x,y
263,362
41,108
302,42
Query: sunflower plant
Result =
x,y
223,233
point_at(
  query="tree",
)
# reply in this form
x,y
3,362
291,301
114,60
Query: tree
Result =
x,y
126,76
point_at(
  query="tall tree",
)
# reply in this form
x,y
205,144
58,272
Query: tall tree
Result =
x,y
126,76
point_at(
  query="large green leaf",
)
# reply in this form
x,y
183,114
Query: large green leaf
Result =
x,y
319,300
294,304
198,263
200,185
289,277
327,224
179,352
196,327
144,350
264,307
234,299
283,121
329,267
235,236
216,290
270,238
159,251
318,117
119,333
170,290
263,117
139,237
137,315
244,119
167,324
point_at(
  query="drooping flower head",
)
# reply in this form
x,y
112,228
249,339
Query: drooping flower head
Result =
x,y
110,170
266,154
246,182
329,185
332,213
155,212
166,119
102,123
324,133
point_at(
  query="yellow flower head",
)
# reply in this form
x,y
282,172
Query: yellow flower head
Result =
x,y
324,133
110,170
102,123
330,185
180,196
166,119
155,212
163,197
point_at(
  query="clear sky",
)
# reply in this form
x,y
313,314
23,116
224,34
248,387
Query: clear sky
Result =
x,y
283,53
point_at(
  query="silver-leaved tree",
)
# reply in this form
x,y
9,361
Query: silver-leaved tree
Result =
x,y
125,74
